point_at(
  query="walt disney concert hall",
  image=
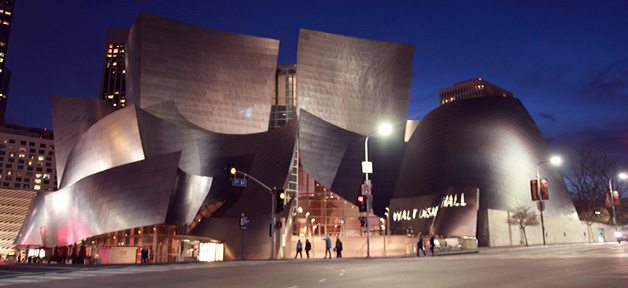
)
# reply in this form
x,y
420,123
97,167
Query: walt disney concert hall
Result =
x,y
152,175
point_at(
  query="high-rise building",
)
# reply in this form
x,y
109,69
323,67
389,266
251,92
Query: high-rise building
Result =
x,y
114,71
284,107
14,205
6,16
27,159
473,88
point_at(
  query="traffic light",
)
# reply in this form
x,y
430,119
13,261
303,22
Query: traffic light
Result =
x,y
280,196
362,203
231,171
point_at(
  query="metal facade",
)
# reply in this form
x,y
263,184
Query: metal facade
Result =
x,y
73,116
491,143
353,83
219,81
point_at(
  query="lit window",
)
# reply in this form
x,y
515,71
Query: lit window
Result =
x,y
21,155
37,175
7,12
9,172
115,50
46,176
37,181
39,158
6,23
110,96
37,187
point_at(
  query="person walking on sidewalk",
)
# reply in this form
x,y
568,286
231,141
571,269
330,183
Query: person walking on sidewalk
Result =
x,y
308,247
338,248
327,240
420,245
299,249
432,244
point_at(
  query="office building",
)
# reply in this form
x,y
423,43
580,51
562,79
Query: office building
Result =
x,y
27,159
113,89
473,88
6,18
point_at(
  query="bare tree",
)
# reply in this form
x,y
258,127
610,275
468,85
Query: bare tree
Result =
x,y
588,183
523,217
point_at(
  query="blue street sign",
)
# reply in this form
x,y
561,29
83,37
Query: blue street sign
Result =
x,y
240,182
244,222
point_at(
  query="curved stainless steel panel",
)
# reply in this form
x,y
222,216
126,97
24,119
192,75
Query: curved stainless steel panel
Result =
x,y
190,192
333,156
219,81
266,156
353,83
491,143
72,116
112,141
104,202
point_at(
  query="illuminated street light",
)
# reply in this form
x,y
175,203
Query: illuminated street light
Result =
x,y
384,130
555,161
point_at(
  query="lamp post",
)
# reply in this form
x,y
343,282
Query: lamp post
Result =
x,y
621,176
556,161
384,129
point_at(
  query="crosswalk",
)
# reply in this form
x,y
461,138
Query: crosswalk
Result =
x,y
81,274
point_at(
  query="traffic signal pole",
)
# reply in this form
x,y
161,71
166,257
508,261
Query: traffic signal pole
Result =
x,y
273,219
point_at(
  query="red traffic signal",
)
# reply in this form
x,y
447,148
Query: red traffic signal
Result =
x,y
362,203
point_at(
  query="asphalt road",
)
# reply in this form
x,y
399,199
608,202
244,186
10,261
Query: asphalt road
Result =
x,y
563,266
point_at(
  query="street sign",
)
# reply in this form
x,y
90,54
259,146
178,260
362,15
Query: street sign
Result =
x,y
366,188
240,182
244,222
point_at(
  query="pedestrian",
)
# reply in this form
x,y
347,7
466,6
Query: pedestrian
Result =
x,y
308,247
432,245
151,256
299,249
144,255
327,246
420,245
338,248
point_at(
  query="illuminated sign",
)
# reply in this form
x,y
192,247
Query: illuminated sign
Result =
x,y
449,200
452,213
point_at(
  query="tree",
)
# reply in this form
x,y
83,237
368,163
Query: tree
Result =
x,y
523,217
588,183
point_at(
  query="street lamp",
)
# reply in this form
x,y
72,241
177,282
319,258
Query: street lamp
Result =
x,y
383,129
555,161
621,176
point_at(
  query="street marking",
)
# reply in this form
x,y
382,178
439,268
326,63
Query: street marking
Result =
x,y
322,280
296,286
341,274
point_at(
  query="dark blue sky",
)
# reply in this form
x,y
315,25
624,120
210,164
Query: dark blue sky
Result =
x,y
566,60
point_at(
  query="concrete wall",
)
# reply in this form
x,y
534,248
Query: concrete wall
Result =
x,y
355,246
558,230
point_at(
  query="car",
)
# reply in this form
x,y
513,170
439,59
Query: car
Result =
x,y
622,234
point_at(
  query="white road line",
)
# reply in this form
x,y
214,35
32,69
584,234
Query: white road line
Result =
x,y
322,280
341,274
